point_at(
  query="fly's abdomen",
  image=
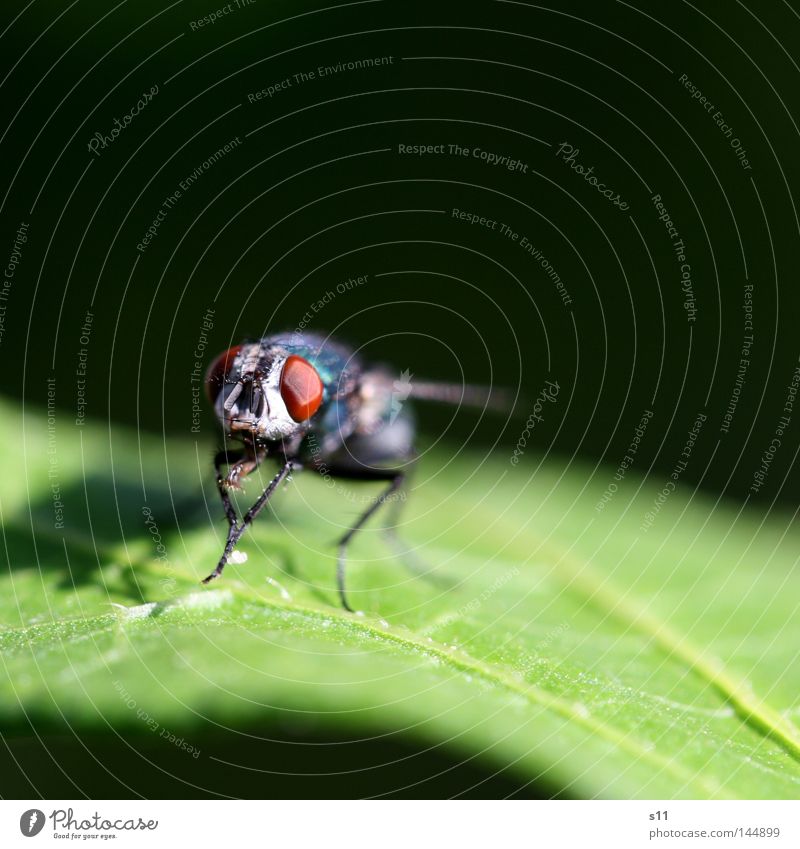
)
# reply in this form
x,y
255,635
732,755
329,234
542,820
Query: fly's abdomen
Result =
x,y
384,429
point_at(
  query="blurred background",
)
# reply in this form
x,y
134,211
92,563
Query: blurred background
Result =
x,y
178,177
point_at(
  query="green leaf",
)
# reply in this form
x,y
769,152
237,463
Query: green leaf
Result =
x,y
548,636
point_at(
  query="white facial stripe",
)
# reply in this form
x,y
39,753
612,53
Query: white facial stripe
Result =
x,y
276,421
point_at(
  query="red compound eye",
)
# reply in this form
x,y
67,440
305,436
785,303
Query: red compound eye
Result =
x,y
301,388
218,371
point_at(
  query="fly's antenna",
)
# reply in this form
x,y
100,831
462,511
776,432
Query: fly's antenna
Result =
x,y
233,395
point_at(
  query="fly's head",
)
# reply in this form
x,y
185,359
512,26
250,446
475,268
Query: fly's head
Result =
x,y
263,394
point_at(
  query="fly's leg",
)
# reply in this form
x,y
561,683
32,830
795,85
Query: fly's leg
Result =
x,y
243,465
235,530
395,509
239,465
229,458
395,485
409,558
413,562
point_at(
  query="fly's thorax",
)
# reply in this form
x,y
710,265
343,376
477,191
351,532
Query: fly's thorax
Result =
x,y
380,403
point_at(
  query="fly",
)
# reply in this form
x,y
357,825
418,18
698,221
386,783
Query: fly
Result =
x,y
308,402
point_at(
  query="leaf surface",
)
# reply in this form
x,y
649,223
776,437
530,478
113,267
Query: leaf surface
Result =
x,y
546,636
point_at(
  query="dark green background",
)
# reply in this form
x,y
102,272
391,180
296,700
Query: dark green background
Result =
x,y
313,195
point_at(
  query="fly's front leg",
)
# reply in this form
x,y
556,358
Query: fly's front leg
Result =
x,y
234,460
235,531
244,464
229,458
240,464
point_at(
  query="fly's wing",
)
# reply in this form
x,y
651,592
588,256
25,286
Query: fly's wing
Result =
x,y
384,426
497,399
